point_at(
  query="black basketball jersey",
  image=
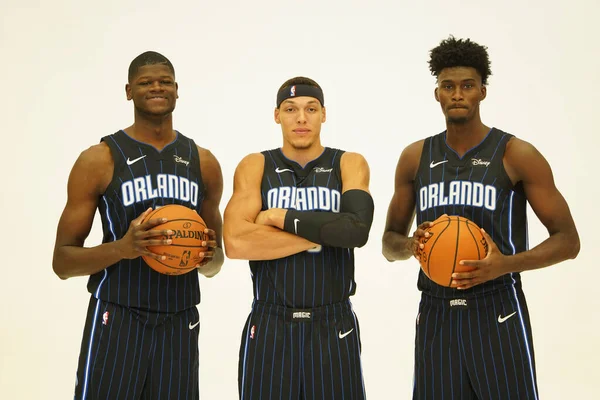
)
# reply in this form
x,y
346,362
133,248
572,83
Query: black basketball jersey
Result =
x,y
311,278
145,177
475,186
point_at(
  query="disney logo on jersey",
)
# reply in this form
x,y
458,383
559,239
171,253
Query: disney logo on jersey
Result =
x,y
180,160
320,169
304,198
479,161
463,193
165,186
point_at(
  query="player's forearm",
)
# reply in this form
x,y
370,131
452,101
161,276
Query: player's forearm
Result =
x,y
395,246
558,247
71,261
214,266
261,242
347,229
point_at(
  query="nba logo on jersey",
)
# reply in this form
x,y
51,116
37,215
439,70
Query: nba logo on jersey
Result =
x,y
293,91
252,332
105,318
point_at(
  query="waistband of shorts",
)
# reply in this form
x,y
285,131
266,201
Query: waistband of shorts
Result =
x,y
472,302
325,312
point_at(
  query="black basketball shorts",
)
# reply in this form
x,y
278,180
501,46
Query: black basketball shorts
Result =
x,y
474,348
133,354
301,354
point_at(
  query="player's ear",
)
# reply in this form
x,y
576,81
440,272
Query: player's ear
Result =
x,y
276,115
435,94
176,90
128,91
323,114
483,92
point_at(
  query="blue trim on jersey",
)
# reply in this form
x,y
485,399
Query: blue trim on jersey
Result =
x,y
246,352
334,156
472,148
89,355
524,330
355,337
111,228
159,151
296,162
110,223
510,223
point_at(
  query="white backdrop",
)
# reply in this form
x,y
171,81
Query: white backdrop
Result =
x,y
63,69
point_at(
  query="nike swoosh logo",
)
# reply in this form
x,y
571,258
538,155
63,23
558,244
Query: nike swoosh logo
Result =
x,y
502,319
279,170
192,326
343,335
129,162
296,220
435,164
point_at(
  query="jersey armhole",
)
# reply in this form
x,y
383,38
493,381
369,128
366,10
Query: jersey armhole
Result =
x,y
502,168
117,158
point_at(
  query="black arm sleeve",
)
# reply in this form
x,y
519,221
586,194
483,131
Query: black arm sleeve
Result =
x,y
349,228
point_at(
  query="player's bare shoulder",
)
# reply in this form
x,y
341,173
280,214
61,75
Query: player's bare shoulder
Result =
x,y
413,151
252,163
95,165
209,165
516,148
353,159
408,163
522,159
355,166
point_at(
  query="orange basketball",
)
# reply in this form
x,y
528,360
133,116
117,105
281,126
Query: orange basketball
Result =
x,y
188,234
452,239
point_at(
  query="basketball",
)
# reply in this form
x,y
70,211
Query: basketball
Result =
x,y
188,234
452,239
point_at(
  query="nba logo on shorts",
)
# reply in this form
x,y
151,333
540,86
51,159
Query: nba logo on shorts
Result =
x,y
105,318
252,332
293,91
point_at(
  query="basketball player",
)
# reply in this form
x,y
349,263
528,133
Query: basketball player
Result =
x,y
473,340
141,334
297,213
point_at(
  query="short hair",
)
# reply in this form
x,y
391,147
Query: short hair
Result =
x,y
148,58
454,52
299,80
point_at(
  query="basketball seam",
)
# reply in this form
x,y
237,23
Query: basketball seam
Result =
x,y
185,219
433,245
168,266
456,251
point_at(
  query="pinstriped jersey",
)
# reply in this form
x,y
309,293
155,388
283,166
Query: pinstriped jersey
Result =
x,y
146,177
475,186
312,278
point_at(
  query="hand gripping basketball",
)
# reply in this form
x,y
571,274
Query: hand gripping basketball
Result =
x,y
142,234
451,240
186,244
494,265
415,242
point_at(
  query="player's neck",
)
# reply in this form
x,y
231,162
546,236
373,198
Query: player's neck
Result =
x,y
463,137
302,156
157,132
